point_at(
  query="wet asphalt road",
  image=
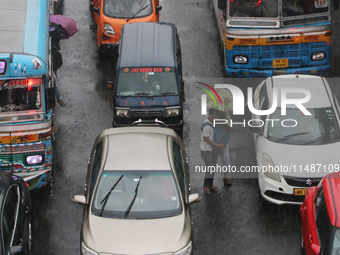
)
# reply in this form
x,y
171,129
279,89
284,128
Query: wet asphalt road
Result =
x,y
234,221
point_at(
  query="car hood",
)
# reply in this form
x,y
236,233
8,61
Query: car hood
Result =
x,y
127,236
142,102
298,158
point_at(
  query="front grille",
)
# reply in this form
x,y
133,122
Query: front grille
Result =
x,y
147,113
15,149
15,158
261,57
284,197
301,182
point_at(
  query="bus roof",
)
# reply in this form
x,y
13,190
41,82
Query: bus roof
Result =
x,y
24,27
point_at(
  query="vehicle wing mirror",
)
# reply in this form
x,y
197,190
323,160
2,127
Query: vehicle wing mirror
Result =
x,y
95,9
110,85
158,8
51,97
79,199
255,126
315,248
15,250
193,198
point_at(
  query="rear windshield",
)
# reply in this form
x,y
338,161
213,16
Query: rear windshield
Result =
x,y
127,8
147,81
20,95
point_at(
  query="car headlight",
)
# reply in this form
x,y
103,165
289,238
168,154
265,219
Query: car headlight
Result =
x,y
122,112
86,250
240,59
269,169
318,55
186,250
34,159
171,112
108,29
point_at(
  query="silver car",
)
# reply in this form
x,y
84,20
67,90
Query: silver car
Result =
x,y
137,194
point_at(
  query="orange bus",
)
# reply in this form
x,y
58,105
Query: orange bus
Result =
x,y
111,15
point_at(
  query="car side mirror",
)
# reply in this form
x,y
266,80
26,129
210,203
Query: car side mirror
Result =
x,y
315,248
193,198
95,9
79,199
15,250
158,8
110,85
255,126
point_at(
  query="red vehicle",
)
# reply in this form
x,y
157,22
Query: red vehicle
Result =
x,y
111,15
320,214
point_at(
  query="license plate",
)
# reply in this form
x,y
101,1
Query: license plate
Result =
x,y
300,192
280,63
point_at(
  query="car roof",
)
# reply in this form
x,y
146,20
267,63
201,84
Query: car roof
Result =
x,y
147,44
314,84
138,148
331,190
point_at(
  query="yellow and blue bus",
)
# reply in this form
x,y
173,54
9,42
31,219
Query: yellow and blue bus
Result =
x,y
261,38
26,91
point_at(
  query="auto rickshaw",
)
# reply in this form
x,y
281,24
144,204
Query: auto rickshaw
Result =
x,y
111,15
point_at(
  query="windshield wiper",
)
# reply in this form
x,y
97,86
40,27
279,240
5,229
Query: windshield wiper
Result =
x,y
138,12
291,136
320,138
108,195
142,94
167,93
133,200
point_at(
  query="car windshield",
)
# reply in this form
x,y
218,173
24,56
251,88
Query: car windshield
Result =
x,y
127,8
16,96
149,81
319,128
269,8
303,7
137,195
253,8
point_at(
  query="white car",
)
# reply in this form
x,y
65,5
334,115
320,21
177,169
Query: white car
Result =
x,y
294,151
137,194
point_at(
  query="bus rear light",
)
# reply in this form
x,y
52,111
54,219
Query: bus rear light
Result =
x,y
240,59
318,56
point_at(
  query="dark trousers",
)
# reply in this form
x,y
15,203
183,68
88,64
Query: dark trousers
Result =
x,y
210,159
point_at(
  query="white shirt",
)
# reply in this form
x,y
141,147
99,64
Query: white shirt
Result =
x,y
208,131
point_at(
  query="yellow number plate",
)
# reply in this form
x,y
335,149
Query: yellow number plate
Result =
x,y
300,192
280,63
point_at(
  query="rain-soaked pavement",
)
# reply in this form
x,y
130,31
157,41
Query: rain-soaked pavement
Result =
x,y
234,221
